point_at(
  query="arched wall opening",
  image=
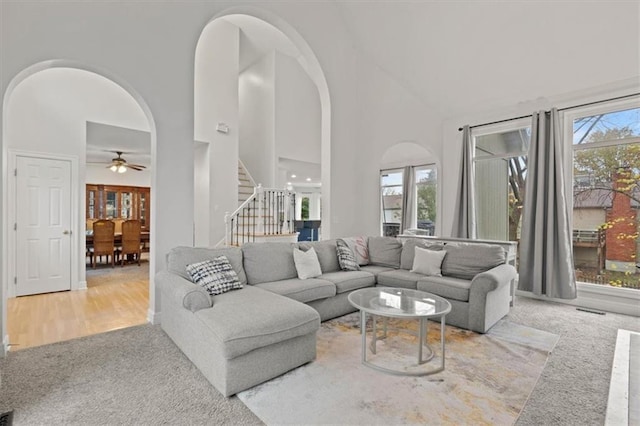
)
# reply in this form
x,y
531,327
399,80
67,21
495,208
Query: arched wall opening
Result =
x,y
226,130
405,167
70,142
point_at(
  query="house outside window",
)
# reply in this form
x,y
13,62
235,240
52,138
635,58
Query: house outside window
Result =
x,y
605,140
423,202
391,201
426,181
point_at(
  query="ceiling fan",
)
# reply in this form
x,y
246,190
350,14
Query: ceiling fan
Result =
x,y
120,165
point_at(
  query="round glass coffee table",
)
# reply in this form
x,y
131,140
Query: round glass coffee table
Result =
x,y
390,302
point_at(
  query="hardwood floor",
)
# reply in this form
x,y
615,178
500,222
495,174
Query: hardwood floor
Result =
x,y
115,298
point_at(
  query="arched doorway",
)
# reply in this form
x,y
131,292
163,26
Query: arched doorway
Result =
x,y
33,128
227,129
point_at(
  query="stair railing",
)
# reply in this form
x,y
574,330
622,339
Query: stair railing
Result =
x,y
268,211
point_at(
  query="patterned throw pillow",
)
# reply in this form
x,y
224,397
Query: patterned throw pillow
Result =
x,y
346,258
214,275
358,246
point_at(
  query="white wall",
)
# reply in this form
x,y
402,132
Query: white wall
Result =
x,y
297,112
388,115
202,194
257,120
102,175
216,101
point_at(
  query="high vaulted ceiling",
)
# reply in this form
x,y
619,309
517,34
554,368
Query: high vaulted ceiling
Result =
x,y
462,57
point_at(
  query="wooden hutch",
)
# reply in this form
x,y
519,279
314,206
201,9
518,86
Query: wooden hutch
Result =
x,y
118,203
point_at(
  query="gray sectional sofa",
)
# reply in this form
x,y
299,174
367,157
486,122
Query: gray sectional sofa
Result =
x,y
244,337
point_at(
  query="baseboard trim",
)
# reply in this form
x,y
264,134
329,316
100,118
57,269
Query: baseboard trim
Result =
x,y
82,285
604,298
153,317
5,345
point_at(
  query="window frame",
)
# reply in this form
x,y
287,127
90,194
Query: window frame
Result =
x,y
568,117
489,129
381,211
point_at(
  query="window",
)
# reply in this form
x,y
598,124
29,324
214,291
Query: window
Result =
x,y
391,196
304,214
500,161
606,193
426,191
422,202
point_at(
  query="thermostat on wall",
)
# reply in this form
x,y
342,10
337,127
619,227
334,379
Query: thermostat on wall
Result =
x,y
222,128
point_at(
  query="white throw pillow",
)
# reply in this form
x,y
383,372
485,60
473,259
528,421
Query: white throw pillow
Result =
x,y
428,262
307,263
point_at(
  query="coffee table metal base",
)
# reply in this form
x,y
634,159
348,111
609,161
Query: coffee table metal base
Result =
x,y
422,345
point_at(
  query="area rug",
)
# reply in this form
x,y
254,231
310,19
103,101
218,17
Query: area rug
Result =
x,y
487,378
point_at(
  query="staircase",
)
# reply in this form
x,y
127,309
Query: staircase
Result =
x,y
264,214
246,184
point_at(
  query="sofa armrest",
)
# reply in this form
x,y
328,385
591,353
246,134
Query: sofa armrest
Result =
x,y
492,279
489,297
183,292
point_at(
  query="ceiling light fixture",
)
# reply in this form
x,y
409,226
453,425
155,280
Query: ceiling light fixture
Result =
x,y
118,168
308,179
293,176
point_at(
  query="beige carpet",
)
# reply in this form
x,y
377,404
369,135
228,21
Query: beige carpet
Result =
x,y
487,379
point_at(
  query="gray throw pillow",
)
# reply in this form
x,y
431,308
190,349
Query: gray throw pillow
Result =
x,y
346,258
465,261
214,275
385,251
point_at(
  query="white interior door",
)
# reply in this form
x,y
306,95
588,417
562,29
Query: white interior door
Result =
x,y
43,225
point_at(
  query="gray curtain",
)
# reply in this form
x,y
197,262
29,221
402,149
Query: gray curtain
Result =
x,y
464,220
408,198
546,255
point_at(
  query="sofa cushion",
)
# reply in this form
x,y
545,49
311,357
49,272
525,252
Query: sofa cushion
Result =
x,y
179,257
375,269
214,275
399,278
346,257
447,287
385,251
326,252
267,262
408,250
360,249
251,318
350,280
306,263
466,260
301,290
428,262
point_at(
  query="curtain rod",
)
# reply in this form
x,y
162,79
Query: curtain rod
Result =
x,y
559,109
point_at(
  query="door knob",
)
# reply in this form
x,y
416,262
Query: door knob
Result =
x,y
66,232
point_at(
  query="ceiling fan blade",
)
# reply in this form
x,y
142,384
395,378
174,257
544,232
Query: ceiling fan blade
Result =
x,y
137,167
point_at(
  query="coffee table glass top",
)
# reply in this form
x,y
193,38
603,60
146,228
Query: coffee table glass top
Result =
x,y
399,302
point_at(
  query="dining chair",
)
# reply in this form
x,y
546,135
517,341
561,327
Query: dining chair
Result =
x,y
131,243
103,241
